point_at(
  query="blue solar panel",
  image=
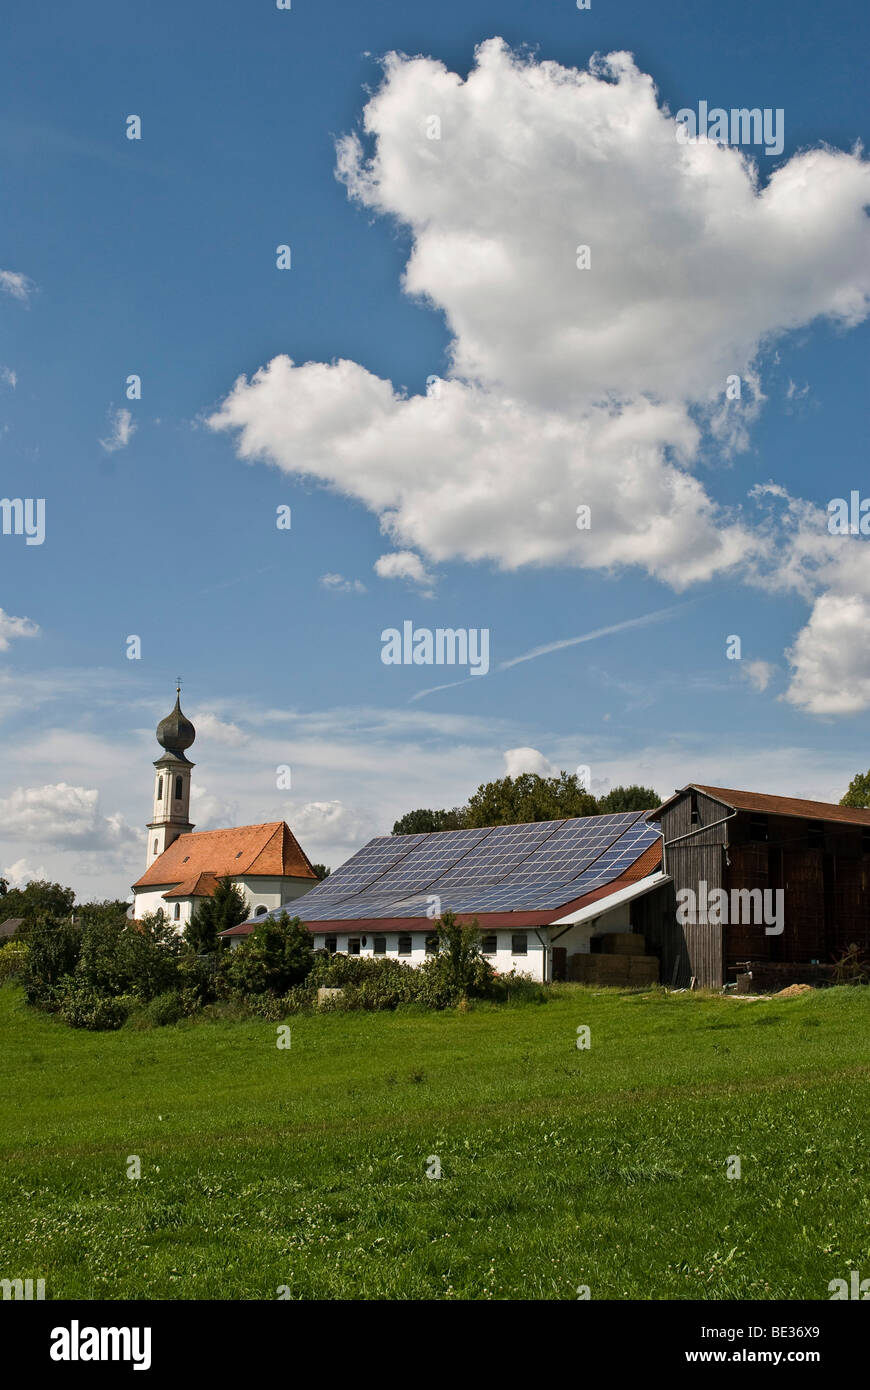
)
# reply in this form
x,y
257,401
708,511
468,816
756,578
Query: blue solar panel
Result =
x,y
439,852
503,849
369,863
537,866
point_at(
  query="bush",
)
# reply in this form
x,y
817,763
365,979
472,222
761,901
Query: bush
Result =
x,y
53,953
165,1009
14,958
277,955
81,1006
297,999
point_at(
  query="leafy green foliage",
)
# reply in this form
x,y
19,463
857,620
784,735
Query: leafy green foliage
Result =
x,y
529,797
858,794
53,953
459,964
422,822
14,956
82,1006
516,800
633,798
226,908
37,901
277,954
322,871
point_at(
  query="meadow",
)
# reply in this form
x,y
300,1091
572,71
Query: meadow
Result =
x,y
304,1168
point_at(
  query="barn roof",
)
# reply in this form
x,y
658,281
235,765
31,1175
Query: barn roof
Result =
x,y
772,805
504,875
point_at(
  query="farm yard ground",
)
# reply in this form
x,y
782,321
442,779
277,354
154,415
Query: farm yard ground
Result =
x,y
305,1168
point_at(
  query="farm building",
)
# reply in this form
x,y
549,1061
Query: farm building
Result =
x,y
548,896
778,882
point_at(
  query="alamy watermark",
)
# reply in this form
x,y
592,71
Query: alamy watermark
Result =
x,y
22,1289
740,126
446,646
745,906
24,517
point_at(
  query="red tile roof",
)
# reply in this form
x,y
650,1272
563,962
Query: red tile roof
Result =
x,y
775,805
247,851
200,886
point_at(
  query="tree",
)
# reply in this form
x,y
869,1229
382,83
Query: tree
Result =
x,y
322,871
422,822
633,798
53,952
460,961
38,901
517,800
859,791
4,887
278,953
226,908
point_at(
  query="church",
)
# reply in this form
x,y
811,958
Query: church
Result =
x,y
183,865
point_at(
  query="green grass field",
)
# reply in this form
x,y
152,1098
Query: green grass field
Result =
x,y
306,1167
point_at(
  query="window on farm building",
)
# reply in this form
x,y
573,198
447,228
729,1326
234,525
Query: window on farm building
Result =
x,y
380,946
519,944
758,827
332,944
489,945
404,945
353,945
432,945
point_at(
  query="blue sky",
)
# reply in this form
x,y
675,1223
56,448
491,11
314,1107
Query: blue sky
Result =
x,y
158,257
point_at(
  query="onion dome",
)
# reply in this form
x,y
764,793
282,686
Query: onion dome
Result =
x,y
175,733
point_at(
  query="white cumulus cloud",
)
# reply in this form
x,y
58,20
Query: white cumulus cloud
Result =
x,y
404,564
568,387
123,427
520,760
11,628
14,283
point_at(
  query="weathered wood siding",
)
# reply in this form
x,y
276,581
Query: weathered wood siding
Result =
x,y
822,868
691,862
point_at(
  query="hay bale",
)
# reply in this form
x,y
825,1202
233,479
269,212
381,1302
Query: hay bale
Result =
x,y
623,943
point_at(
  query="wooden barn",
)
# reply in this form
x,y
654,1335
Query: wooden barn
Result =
x,y
754,878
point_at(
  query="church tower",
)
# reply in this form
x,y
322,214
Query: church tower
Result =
x,y
171,815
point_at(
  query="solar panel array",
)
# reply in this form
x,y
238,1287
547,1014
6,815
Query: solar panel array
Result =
x,y
502,868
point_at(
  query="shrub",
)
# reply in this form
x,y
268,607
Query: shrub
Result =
x,y
196,978
13,960
277,954
459,970
53,952
226,908
165,1009
297,999
83,1007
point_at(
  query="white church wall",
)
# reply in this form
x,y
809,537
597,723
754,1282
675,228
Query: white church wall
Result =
x,y
259,891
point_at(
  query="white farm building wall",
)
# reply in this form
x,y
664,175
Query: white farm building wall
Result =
x,y
505,958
